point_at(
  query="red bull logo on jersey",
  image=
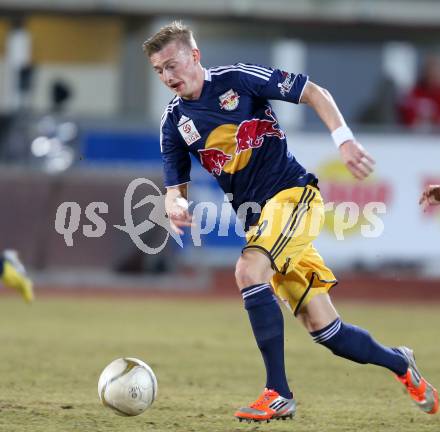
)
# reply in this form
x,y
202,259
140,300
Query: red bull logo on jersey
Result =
x,y
229,100
250,133
228,147
213,160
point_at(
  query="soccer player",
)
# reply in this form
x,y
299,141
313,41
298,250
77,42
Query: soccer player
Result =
x,y
222,117
13,275
430,196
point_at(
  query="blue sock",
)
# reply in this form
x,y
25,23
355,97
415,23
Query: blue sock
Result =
x,y
1,266
268,327
356,344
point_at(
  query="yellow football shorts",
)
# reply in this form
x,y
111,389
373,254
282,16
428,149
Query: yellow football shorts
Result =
x,y
288,224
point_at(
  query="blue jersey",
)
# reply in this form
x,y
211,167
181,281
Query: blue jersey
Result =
x,y
234,133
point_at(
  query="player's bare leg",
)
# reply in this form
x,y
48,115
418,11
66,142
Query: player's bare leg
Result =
x,y
322,321
319,313
252,267
253,273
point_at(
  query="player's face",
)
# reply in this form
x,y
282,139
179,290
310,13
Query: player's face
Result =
x,y
178,67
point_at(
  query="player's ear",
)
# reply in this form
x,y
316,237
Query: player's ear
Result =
x,y
196,55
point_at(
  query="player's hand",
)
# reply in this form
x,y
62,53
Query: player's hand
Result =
x,y
178,214
356,159
430,196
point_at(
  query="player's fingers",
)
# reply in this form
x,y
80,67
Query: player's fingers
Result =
x,y
175,228
368,157
181,216
423,198
358,166
365,166
365,172
353,168
182,223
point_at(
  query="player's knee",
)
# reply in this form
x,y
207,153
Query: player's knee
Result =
x,y
252,268
311,323
249,273
244,276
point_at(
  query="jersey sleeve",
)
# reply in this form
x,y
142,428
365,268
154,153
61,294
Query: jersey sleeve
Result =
x,y
175,155
270,83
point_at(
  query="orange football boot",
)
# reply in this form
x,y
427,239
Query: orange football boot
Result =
x,y
423,394
269,406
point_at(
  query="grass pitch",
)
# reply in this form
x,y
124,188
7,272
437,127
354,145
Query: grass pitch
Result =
x,y
206,362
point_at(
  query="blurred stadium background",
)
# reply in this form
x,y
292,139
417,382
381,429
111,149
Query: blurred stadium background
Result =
x,y
79,119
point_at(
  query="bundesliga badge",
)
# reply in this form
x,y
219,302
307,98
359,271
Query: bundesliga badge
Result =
x,y
188,130
229,100
287,84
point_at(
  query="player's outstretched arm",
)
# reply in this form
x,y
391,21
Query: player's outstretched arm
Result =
x,y
176,207
430,196
354,156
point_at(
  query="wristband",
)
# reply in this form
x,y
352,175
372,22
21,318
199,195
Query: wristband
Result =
x,y
342,134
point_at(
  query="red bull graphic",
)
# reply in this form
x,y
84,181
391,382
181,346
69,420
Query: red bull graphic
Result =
x,y
226,146
229,100
250,133
213,160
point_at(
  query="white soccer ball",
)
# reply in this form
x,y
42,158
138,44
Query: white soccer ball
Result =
x,y
127,386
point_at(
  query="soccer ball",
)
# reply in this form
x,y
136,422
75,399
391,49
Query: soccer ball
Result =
x,y
127,386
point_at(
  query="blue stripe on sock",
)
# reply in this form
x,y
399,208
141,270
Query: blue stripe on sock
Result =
x,y
327,332
252,287
258,295
248,292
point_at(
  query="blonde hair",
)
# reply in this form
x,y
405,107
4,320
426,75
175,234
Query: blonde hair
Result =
x,y
176,31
